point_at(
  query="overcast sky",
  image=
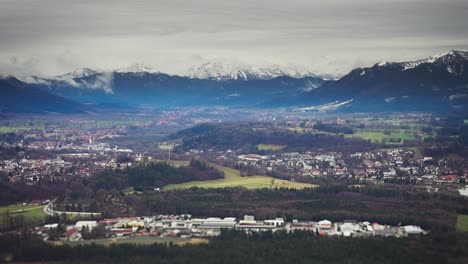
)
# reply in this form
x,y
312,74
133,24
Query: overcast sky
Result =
x,y
56,36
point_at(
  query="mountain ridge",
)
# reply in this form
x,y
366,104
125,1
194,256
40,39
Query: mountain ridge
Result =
x,y
436,83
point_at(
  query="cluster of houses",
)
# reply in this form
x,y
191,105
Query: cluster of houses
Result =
x,y
184,226
31,171
378,166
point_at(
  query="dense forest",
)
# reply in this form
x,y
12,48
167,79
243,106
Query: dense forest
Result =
x,y
247,136
154,175
141,177
390,205
235,247
333,128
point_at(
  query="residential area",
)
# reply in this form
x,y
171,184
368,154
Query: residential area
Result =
x,y
184,226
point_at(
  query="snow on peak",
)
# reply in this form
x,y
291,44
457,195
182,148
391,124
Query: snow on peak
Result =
x,y
79,73
230,71
445,57
383,63
137,68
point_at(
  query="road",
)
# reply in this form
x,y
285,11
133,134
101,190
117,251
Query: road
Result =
x,y
48,209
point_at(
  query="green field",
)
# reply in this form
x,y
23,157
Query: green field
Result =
x,y
417,152
232,178
270,147
373,136
297,129
130,190
175,163
462,223
166,146
33,214
379,136
12,129
137,240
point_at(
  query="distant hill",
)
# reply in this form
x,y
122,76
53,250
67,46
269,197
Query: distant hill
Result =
x,y
15,97
153,89
230,71
246,136
438,83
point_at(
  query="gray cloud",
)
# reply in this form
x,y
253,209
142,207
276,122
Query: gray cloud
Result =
x,y
55,36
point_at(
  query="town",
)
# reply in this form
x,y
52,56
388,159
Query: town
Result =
x,y
184,226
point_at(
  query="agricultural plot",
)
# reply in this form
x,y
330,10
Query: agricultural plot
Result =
x,y
379,136
462,223
270,147
175,163
30,214
137,240
166,146
13,129
297,129
232,178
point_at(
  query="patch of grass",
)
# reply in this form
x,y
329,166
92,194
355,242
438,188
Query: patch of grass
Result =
x,y
270,147
417,152
462,223
33,214
12,129
373,136
176,163
136,240
404,135
78,217
130,190
296,129
166,146
232,178
454,157
379,136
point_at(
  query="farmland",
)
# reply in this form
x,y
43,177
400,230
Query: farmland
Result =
x,y
13,129
31,214
166,146
232,178
270,147
462,223
379,136
138,240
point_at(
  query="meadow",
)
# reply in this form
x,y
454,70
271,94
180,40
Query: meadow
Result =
x,y
462,223
270,147
232,178
137,240
33,214
166,146
379,136
12,129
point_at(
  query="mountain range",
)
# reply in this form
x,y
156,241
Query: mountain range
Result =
x,y
17,97
437,83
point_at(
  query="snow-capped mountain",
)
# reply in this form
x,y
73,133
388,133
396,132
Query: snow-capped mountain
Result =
x,y
79,73
437,82
450,61
229,71
448,58
137,68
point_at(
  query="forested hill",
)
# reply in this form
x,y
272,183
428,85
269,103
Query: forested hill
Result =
x,y
154,175
248,135
16,98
